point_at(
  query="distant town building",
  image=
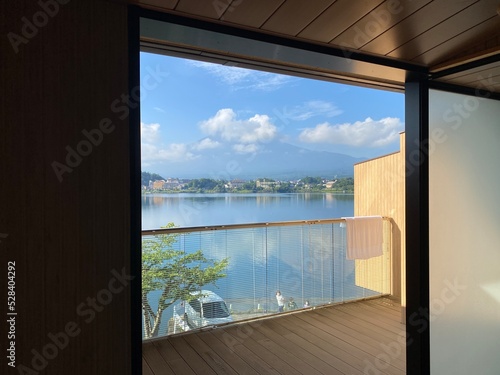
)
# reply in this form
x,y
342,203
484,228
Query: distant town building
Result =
x,y
172,183
267,184
168,184
235,184
329,184
158,185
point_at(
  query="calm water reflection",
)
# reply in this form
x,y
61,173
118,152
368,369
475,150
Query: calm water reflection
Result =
x,y
222,209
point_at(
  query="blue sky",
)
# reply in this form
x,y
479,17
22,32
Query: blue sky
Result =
x,y
196,106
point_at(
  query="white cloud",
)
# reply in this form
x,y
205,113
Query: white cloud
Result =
x,y
266,81
206,144
245,149
228,74
159,109
241,78
173,152
226,126
367,133
152,151
310,109
149,132
148,152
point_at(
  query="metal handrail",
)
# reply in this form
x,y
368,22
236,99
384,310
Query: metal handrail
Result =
x,y
152,232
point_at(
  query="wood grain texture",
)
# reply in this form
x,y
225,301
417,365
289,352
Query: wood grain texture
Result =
x,y
67,236
342,339
423,32
379,190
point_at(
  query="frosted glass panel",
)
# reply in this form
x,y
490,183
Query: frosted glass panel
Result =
x,y
464,234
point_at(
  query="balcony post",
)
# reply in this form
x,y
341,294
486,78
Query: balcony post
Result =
x,y
417,225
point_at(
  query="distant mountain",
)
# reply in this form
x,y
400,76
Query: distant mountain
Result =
x,y
276,160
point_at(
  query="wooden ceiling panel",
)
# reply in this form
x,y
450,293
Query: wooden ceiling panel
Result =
x,y
487,80
415,24
483,76
204,8
251,13
482,45
376,23
441,33
453,46
483,83
294,15
437,34
157,4
337,18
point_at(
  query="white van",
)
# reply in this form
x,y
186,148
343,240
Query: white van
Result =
x,y
208,309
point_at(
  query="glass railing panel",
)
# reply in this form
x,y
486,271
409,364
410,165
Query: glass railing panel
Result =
x,y
244,287
306,262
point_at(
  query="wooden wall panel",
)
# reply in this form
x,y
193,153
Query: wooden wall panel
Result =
x,y
379,190
66,236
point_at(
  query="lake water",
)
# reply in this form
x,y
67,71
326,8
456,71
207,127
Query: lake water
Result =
x,y
191,210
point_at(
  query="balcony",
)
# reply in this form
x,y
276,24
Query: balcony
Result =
x,y
348,327
363,337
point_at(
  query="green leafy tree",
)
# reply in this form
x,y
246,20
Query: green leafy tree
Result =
x,y
249,186
312,180
220,187
285,188
345,184
173,272
203,184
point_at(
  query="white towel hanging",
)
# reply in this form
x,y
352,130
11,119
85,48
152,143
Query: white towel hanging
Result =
x,y
364,236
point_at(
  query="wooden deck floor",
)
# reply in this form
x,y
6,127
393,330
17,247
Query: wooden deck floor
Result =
x,y
358,338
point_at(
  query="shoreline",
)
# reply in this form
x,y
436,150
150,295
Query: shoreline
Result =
x,y
247,192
